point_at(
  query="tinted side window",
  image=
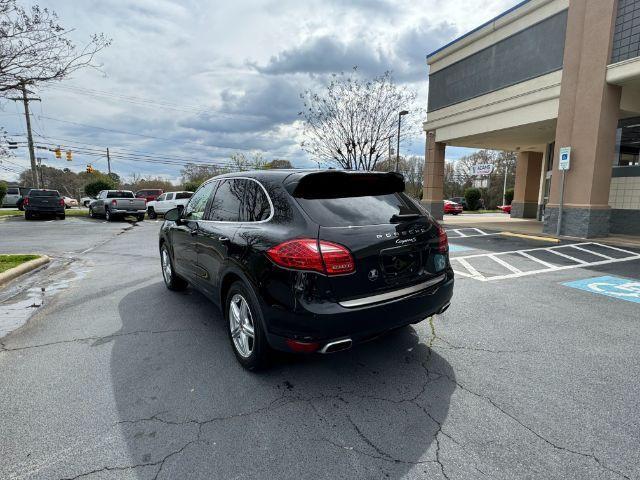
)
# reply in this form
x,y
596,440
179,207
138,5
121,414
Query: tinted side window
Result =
x,y
183,195
226,203
356,211
195,208
169,196
255,206
160,198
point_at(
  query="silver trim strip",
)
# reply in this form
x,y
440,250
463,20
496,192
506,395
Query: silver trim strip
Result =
x,y
359,302
347,341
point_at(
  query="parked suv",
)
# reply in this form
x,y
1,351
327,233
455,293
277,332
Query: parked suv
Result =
x,y
166,202
308,261
12,197
43,202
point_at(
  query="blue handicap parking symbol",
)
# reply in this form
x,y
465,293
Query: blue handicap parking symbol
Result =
x,y
458,248
616,287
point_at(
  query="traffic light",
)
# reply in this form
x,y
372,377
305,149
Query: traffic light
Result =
x,y
58,153
89,168
69,156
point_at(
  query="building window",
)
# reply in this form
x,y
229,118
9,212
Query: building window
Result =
x,y
626,36
628,143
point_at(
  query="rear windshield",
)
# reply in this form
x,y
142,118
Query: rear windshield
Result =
x,y
120,194
13,191
183,195
44,193
150,192
358,211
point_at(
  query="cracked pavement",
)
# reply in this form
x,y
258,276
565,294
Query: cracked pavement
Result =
x,y
114,377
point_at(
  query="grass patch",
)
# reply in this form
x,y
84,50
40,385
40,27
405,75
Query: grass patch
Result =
x,y
8,212
10,261
77,212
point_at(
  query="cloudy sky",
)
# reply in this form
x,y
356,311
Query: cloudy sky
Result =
x,y
203,79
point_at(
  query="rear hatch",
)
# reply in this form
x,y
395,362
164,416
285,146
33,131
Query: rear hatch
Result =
x,y
394,243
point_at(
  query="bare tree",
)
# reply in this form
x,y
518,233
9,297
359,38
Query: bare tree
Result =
x,y
35,48
411,169
350,123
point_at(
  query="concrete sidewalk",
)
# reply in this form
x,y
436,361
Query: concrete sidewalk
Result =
x,y
525,226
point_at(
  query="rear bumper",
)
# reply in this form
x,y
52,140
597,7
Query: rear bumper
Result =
x,y
324,323
120,211
53,209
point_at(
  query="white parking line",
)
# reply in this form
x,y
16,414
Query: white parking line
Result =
x,y
468,232
469,271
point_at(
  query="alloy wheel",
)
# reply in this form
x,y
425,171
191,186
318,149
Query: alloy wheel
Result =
x,y
241,326
166,266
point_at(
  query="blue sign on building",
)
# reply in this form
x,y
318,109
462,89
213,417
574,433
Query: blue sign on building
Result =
x,y
616,287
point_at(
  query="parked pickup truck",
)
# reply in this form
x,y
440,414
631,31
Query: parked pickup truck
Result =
x,y
166,202
114,204
43,202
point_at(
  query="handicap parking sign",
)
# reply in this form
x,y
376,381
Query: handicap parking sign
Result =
x,y
616,287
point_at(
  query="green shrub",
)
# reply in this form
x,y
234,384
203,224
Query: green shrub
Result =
x,y
472,196
3,191
509,196
93,188
191,186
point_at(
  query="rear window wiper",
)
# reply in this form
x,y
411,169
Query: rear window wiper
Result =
x,y
403,217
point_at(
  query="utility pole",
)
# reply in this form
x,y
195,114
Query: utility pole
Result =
x,y
400,114
32,154
108,162
504,187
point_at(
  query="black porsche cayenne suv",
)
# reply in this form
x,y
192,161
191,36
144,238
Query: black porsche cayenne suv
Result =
x,y
308,261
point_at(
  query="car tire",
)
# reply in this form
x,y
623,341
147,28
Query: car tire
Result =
x,y
252,352
91,214
140,218
152,213
62,217
107,215
27,215
171,280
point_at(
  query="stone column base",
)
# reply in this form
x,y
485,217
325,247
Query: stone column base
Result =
x,y
578,222
524,209
436,208
625,221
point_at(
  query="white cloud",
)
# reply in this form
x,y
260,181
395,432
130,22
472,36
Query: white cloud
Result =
x,y
232,71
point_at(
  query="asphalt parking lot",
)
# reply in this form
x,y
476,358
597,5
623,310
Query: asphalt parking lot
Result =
x,y
534,372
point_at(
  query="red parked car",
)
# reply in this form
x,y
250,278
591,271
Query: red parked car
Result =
x,y
452,207
505,208
149,194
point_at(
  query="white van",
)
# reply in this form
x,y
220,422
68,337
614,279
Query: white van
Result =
x,y
12,196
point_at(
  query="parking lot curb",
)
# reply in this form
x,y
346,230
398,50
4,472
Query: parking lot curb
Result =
x,y
12,273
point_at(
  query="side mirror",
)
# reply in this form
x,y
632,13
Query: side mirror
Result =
x,y
173,215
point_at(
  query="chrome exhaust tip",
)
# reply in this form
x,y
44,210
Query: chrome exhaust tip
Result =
x,y
337,346
444,309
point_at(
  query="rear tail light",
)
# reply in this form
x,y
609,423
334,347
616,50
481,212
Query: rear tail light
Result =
x,y
311,254
443,240
26,201
114,202
302,347
61,202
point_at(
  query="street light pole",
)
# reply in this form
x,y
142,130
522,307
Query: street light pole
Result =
x,y
403,112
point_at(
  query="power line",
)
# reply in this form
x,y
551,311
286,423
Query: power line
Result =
x,y
184,142
147,102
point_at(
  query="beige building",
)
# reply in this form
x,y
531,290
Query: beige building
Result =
x,y
543,75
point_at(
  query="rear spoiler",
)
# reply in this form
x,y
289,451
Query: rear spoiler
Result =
x,y
341,184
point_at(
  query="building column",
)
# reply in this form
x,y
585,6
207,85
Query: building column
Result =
x,y
527,185
587,120
433,183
